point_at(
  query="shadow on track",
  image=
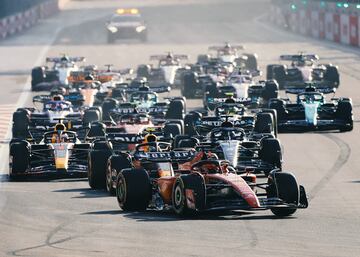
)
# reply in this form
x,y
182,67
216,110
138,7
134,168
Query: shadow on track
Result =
x,y
160,216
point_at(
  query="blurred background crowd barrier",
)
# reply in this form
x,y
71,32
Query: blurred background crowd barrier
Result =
x,y
337,21
18,15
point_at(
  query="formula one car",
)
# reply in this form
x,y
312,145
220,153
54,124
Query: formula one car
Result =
x,y
239,141
253,95
208,185
303,69
122,139
168,65
228,53
55,108
312,112
45,78
145,100
126,23
59,153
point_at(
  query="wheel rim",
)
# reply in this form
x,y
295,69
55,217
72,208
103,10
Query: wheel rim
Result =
x,y
121,191
178,196
108,179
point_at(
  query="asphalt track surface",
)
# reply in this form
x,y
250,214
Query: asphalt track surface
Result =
x,y
66,218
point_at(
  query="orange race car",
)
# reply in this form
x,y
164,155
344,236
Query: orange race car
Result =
x,y
210,184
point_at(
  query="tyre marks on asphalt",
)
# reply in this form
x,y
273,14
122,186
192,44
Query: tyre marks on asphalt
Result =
x,y
6,111
342,158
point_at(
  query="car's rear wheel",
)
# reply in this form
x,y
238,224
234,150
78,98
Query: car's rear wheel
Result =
x,y
98,158
21,121
115,163
264,123
176,110
133,189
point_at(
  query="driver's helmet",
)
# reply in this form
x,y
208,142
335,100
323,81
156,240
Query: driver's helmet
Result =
x,y
58,136
60,127
58,98
150,138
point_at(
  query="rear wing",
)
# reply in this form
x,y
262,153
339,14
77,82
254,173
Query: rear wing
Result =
x,y
71,59
243,101
115,135
127,71
165,156
296,91
297,57
155,89
233,47
164,57
210,122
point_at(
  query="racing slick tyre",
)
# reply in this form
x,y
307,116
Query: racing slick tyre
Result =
x,y
264,123
271,90
251,63
203,58
274,115
117,93
189,194
21,121
116,164
107,106
133,189
332,75
283,185
97,129
90,116
190,84
190,121
98,109
185,141
176,110
344,112
270,71
270,152
171,130
176,121
183,99
280,75
279,106
37,76
143,70
98,158
19,158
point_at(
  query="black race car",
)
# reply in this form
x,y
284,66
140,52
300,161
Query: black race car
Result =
x,y
303,69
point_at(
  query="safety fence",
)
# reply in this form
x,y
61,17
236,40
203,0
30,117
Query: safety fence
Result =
x,y
20,21
335,21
